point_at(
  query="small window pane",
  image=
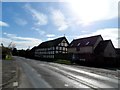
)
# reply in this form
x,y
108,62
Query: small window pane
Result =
x,y
87,43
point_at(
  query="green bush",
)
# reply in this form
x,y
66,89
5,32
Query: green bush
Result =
x,y
62,61
6,53
8,57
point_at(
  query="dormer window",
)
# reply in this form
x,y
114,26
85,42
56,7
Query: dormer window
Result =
x,y
71,45
87,43
78,44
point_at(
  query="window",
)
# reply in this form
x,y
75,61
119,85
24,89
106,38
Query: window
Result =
x,y
87,43
59,44
52,52
62,44
41,52
60,48
64,41
57,48
53,48
71,45
48,48
63,52
48,56
63,48
56,51
82,59
77,49
52,56
66,44
78,44
60,51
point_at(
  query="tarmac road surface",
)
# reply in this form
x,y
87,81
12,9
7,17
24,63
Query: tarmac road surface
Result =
x,y
0,73
39,74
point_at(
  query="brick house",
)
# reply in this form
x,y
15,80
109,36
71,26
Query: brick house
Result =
x,y
82,49
105,53
106,49
118,56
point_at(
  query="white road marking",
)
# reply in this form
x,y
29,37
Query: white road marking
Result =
x,y
88,81
42,64
88,73
66,85
39,75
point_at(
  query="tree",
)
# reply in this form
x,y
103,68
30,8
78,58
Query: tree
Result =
x,y
14,52
6,52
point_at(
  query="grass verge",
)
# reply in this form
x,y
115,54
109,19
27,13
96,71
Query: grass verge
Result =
x,y
61,61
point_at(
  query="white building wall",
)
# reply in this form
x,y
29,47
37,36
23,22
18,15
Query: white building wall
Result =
x,y
87,49
72,50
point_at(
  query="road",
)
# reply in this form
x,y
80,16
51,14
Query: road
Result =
x,y
38,74
0,73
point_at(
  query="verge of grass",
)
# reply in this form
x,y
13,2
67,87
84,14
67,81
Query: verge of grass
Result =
x,y
8,72
8,57
61,61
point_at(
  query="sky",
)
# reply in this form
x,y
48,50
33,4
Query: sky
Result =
x,y
27,24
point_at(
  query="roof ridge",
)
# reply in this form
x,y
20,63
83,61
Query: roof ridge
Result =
x,y
106,40
51,42
87,37
53,39
102,45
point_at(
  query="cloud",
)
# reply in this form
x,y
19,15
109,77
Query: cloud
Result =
x,y
50,35
39,17
20,42
20,21
59,20
50,38
41,32
107,33
89,11
3,24
33,0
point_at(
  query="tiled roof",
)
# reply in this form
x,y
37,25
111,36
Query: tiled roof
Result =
x,y
82,42
118,50
51,43
33,48
101,46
